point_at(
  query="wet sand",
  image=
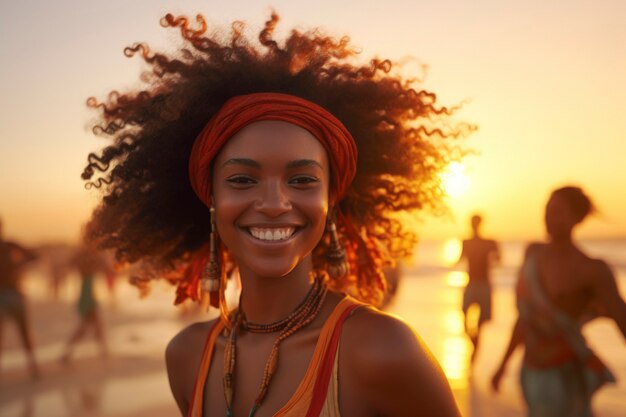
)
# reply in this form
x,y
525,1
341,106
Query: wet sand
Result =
x,y
131,381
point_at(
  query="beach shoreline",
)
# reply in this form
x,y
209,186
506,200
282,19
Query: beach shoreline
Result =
x,y
132,382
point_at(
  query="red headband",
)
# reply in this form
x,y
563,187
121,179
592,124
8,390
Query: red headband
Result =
x,y
241,111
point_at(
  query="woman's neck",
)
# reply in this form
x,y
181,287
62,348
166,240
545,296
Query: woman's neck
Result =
x,y
562,241
270,299
563,245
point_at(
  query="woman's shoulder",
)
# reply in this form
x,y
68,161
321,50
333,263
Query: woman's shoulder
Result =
x,y
392,366
190,337
534,247
380,340
187,346
597,270
182,356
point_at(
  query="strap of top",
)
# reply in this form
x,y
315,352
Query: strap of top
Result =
x,y
197,396
311,393
328,364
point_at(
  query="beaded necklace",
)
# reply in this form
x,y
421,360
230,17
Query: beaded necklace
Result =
x,y
303,315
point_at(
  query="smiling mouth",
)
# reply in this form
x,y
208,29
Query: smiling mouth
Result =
x,y
271,234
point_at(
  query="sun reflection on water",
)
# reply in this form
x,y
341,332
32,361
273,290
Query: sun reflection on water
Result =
x,y
457,279
455,361
455,349
453,322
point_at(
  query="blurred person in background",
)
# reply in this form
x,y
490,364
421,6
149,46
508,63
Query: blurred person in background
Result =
x,y
559,289
479,253
55,259
12,301
90,263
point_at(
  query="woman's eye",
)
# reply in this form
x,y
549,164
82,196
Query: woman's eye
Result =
x,y
241,180
305,180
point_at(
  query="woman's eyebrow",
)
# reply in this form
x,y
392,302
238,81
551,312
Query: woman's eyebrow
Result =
x,y
299,163
242,161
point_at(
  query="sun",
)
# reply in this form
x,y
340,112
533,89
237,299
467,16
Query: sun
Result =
x,y
454,180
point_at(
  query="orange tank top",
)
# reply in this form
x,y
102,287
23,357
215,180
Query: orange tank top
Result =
x,y
317,394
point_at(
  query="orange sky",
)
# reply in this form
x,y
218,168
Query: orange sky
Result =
x,y
544,81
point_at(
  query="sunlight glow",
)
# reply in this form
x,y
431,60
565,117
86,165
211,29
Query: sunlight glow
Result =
x,y
457,279
454,180
453,322
455,361
450,251
456,351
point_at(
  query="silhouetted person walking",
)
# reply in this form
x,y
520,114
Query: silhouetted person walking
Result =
x,y
12,303
479,253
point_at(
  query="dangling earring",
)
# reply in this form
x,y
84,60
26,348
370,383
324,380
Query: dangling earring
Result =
x,y
212,271
338,265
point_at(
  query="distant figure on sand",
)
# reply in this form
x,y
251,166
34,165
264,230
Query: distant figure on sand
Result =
x,y
559,289
12,303
479,253
89,263
56,259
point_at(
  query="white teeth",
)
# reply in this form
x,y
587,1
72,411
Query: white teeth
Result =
x,y
272,234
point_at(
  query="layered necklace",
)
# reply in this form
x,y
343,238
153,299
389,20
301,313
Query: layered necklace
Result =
x,y
303,315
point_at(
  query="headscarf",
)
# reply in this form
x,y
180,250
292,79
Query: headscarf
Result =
x,y
240,111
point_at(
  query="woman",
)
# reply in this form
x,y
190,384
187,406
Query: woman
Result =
x,y
89,263
245,157
13,258
559,289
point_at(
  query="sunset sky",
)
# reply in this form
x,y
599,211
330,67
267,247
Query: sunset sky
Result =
x,y
544,81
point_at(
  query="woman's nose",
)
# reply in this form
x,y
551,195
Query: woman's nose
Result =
x,y
273,200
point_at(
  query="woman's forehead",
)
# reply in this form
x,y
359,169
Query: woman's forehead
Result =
x,y
276,140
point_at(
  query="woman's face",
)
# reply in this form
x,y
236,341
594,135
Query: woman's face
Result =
x,y
559,217
270,193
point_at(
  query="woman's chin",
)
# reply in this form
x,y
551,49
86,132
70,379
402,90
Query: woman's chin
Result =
x,y
270,269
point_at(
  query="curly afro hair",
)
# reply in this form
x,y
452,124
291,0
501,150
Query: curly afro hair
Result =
x,y
150,214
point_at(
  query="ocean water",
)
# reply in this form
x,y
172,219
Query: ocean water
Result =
x,y
435,257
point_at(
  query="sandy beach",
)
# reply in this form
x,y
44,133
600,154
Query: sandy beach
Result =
x,y
131,381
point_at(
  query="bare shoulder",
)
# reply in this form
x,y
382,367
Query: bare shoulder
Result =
x,y
393,368
601,268
182,356
534,247
189,339
375,334
599,272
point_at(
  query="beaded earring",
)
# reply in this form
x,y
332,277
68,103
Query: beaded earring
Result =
x,y
212,271
338,265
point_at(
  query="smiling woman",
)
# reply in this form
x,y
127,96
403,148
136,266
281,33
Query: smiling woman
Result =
x,y
245,157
